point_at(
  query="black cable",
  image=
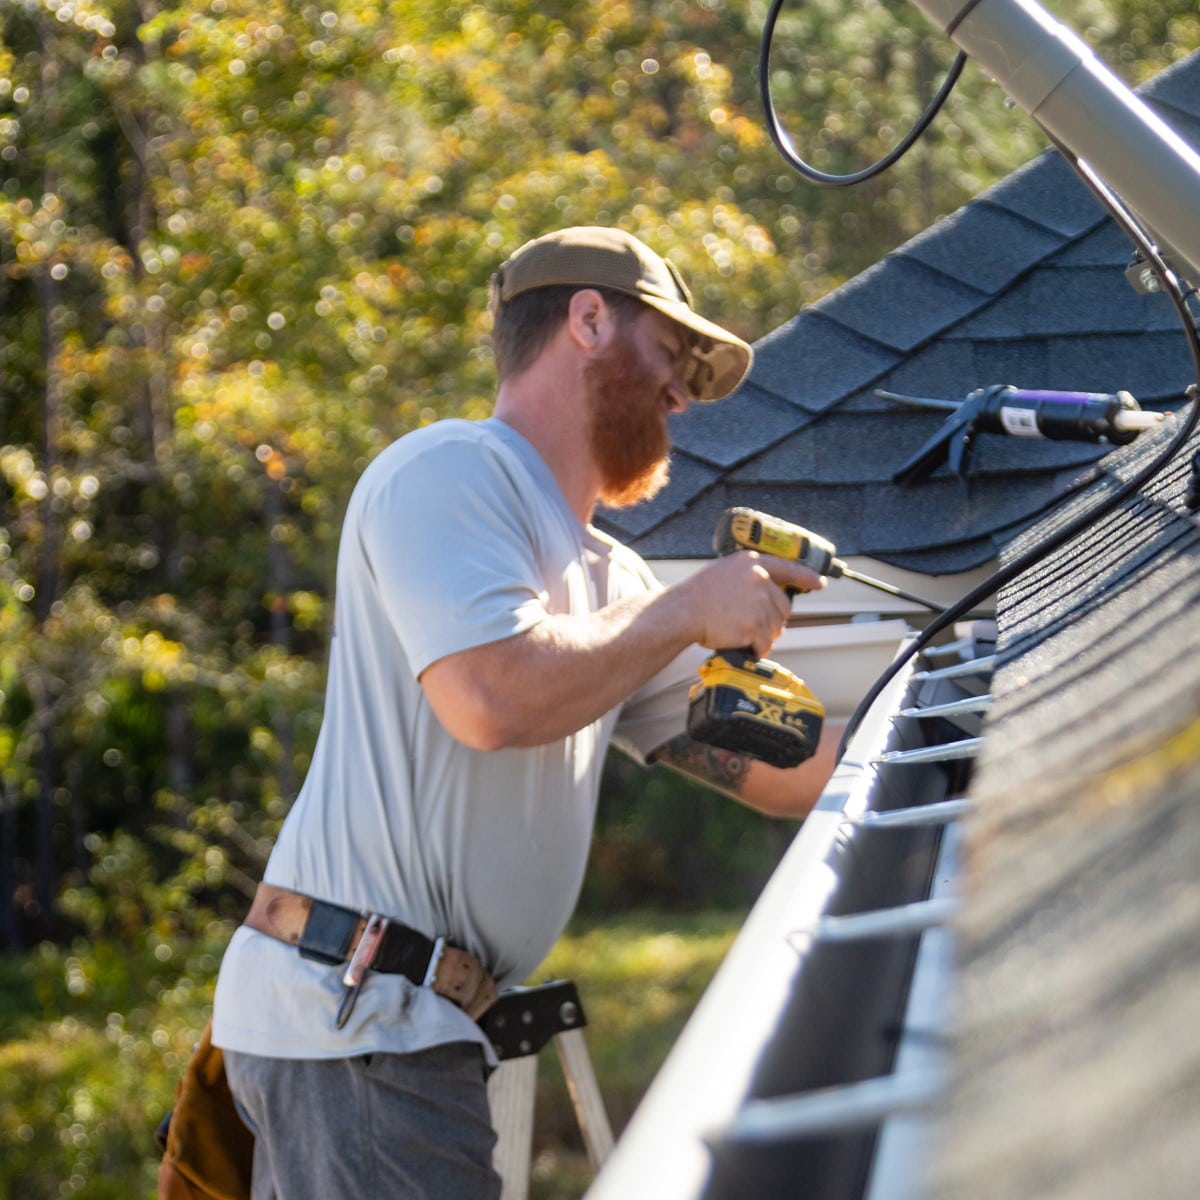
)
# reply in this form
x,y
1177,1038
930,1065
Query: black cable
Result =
x,y
963,14
781,139
1035,554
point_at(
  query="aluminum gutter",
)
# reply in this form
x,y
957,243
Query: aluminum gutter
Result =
x,y
751,1037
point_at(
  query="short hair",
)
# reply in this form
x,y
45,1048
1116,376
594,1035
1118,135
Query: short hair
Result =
x,y
526,323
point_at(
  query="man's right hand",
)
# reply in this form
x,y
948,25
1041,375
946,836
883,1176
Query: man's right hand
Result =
x,y
739,600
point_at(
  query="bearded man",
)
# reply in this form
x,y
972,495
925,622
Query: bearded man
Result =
x,y
489,643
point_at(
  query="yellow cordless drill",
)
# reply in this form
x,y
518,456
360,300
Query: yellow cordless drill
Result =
x,y
754,706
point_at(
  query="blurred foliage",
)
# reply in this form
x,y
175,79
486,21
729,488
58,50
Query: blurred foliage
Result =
x,y
93,1040
244,244
94,1037
663,841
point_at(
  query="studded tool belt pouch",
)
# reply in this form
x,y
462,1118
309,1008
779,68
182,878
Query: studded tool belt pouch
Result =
x,y
208,1151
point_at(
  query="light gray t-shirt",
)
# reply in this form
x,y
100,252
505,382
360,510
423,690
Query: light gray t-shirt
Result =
x,y
457,535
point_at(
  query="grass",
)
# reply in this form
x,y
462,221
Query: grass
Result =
x,y
93,1039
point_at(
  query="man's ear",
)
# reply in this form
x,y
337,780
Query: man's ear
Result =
x,y
590,321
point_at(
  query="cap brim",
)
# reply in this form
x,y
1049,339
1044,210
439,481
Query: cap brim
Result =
x,y
720,360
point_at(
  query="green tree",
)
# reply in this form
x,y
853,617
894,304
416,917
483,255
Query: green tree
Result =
x,y
245,243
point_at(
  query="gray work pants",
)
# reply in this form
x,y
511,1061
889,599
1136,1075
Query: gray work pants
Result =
x,y
375,1127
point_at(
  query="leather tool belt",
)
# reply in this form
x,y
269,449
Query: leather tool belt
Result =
x,y
331,934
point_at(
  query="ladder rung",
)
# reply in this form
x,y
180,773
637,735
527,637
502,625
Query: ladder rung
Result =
x,y
832,1109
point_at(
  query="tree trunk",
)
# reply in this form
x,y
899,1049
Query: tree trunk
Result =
x,y
156,425
10,931
49,560
279,584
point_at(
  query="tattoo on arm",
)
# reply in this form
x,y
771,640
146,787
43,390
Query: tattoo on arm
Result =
x,y
722,769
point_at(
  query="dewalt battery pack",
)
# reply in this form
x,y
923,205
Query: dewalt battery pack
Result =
x,y
754,707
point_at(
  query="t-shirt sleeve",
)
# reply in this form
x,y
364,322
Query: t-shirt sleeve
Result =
x,y
447,539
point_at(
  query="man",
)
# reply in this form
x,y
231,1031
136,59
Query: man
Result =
x,y
487,640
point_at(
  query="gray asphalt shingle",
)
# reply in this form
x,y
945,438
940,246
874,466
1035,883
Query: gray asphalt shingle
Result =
x,y
742,425
901,303
1047,192
813,361
1002,246
1076,1061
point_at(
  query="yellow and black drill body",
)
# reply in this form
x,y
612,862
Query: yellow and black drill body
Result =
x,y
754,706
745,529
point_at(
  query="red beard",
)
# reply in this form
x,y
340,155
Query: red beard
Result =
x,y
630,443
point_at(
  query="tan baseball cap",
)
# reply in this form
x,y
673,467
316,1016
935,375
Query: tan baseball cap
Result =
x,y
595,256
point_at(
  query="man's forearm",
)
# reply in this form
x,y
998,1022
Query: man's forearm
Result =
x,y
724,770
559,676
775,791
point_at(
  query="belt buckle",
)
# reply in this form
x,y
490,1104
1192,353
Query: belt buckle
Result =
x,y
435,961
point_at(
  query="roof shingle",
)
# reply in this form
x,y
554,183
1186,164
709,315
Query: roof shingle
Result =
x,y
1024,285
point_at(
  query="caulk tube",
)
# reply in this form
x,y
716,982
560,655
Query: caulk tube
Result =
x,y
1064,416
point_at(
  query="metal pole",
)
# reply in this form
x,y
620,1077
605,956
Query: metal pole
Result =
x,y
1052,75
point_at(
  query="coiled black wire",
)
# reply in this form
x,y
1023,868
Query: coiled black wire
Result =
x,y
781,139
